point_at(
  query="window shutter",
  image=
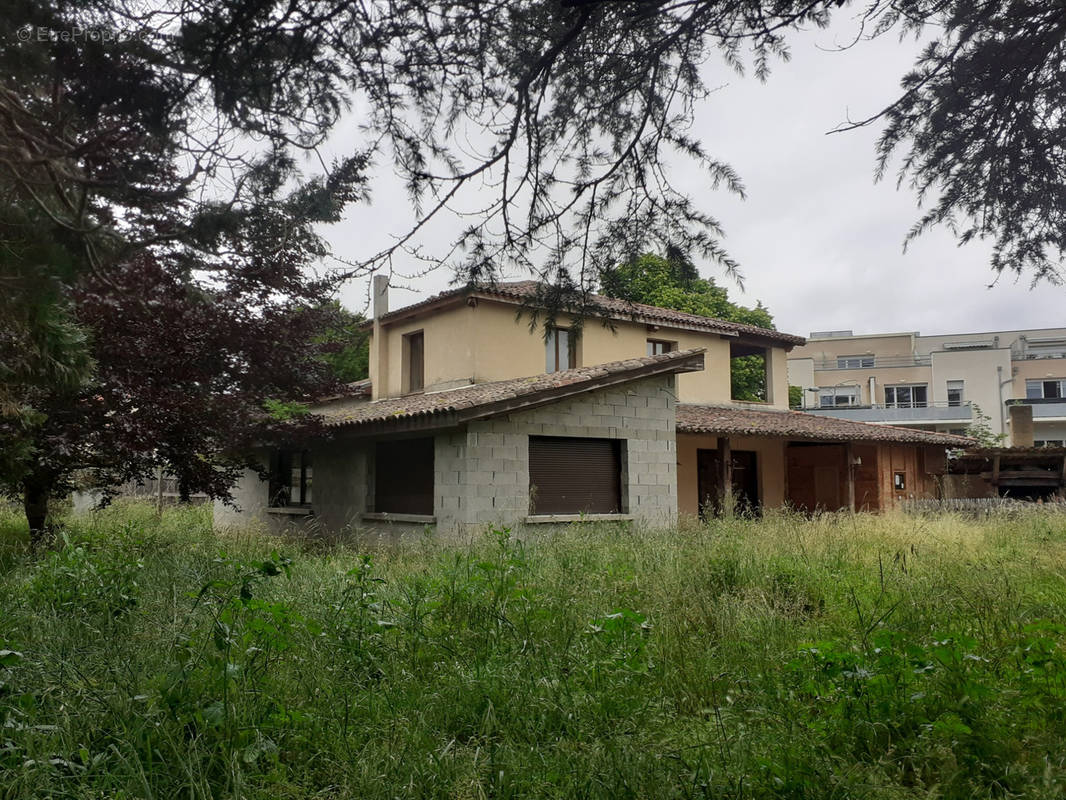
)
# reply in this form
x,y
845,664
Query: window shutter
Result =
x,y
574,476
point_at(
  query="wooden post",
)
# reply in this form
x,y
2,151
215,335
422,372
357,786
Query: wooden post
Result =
x,y
159,490
725,477
849,474
995,470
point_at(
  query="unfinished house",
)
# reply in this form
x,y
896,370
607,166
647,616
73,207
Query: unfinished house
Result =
x,y
473,416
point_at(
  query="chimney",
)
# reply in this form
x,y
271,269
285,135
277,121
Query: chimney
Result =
x,y
1021,426
379,352
381,295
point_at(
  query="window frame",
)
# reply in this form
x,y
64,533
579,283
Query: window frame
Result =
x,y
852,393
552,349
280,485
899,481
414,344
960,387
865,361
1042,384
895,402
667,345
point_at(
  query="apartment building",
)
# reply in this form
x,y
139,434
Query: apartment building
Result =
x,y
476,414
938,383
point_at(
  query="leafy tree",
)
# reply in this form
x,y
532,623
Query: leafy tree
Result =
x,y
346,344
795,396
980,428
674,282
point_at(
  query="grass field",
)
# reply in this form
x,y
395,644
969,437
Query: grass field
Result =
x,y
843,657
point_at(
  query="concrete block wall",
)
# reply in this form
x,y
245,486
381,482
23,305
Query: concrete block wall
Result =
x,y
481,472
485,480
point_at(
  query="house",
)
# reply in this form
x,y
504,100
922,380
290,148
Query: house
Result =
x,y
472,415
1016,378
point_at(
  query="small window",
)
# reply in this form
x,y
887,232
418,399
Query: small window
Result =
x,y
656,347
955,391
414,361
290,478
403,477
1049,443
834,396
899,481
570,475
907,396
855,362
559,350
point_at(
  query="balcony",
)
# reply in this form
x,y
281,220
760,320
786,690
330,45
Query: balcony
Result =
x,y
922,414
1044,409
879,362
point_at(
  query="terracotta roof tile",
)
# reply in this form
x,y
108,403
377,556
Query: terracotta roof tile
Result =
x,y
485,399
797,425
524,291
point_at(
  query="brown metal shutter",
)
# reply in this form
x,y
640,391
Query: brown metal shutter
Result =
x,y
575,476
403,477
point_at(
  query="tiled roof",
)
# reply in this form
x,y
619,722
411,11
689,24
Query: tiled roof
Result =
x,y
797,425
481,400
525,291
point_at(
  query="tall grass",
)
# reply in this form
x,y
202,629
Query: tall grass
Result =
x,y
845,656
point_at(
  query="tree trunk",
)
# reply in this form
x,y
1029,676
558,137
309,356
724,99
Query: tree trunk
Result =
x,y
35,504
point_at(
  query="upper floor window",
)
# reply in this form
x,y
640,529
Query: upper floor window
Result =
x,y
855,362
657,347
907,396
560,351
955,393
749,372
290,478
833,396
414,362
1045,389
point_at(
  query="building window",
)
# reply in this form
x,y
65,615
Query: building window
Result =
x,y
656,347
899,481
749,367
290,478
1049,443
833,396
908,396
855,362
1045,389
403,477
560,350
570,475
414,362
955,393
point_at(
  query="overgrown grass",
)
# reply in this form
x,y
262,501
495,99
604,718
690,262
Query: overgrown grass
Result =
x,y
840,657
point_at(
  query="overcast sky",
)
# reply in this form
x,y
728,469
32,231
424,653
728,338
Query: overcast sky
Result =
x,y
818,241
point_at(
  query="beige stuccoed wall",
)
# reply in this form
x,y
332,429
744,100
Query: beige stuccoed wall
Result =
x,y
771,463
491,342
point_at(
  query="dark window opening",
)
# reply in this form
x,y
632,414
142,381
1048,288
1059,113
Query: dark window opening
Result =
x,y
657,347
955,390
569,475
560,350
899,481
290,478
403,477
414,362
749,372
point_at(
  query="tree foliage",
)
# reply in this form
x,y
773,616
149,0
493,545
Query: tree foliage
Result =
x,y
674,282
979,123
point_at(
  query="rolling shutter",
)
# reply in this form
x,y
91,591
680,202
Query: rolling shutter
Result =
x,y
403,477
575,476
